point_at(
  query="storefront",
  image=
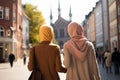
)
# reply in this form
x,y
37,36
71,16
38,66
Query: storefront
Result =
x,y
5,48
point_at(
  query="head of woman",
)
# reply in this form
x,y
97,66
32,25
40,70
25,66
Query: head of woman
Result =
x,y
75,29
78,44
46,33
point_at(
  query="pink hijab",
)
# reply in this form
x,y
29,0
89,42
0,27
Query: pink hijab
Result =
x,y
78,44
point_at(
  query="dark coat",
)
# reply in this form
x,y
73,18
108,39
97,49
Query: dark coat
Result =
x,y
11,57
48,59
116,57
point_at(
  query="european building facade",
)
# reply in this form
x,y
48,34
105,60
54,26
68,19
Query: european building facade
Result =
x,y
107,29
11,28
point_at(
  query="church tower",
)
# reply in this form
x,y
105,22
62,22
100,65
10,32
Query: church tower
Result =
x,y
51,17
70,14
59,9
60,26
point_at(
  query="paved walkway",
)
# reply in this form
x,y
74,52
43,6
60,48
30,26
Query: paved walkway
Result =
x,y
17,72
108,76
20,72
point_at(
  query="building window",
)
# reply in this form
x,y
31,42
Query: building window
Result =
x,y
1,32
1,12
67,35
118,10
7,13
61,33
56,34
14,15
8,33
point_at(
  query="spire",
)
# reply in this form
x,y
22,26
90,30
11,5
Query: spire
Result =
x,y
51,17
70,14
59,10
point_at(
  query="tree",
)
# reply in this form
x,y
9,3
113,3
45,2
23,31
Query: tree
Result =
x,y
36,20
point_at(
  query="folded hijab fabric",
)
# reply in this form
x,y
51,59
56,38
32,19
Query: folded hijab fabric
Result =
x,y
46,33
78,44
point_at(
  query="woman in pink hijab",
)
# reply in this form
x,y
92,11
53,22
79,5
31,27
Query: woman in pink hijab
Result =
x,y
79,55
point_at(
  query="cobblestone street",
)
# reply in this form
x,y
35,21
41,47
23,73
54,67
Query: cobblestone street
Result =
x,y
20,72
109,76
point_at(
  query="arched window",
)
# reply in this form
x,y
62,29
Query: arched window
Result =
x,y
61,33
1,32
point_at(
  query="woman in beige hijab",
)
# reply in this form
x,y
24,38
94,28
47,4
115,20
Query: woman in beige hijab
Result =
x,y
79,55
47,55
108,61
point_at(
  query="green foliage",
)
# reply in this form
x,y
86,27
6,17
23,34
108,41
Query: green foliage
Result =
x,y
55,41
36,20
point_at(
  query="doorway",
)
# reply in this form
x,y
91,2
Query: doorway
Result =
x,y
1,54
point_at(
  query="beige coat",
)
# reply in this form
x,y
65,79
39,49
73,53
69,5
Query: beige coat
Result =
x,y
108,61
81,70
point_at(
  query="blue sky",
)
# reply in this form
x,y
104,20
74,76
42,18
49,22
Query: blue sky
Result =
x,y
79,8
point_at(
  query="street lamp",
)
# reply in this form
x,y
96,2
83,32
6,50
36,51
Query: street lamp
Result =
x,y
6,52
13,30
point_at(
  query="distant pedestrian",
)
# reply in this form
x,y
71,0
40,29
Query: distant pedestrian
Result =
x,y
108,61
24,58
99,57
115,60
11,59
103,59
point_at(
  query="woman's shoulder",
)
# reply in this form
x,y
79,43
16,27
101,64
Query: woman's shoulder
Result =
x,y
67,43
55,45
90,44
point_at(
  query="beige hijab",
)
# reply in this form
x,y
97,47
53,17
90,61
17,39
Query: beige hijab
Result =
x,y
78,44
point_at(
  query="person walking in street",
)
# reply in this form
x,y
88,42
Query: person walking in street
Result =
x,y
47,55
108,61
79,55
115,60
98,56
24,58
11,59
103,58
